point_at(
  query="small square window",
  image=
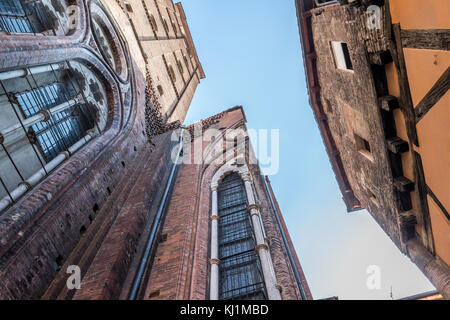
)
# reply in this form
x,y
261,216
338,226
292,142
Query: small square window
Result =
x,y
341,55
374,199
363,147
128,6
160,90
172,74
153,23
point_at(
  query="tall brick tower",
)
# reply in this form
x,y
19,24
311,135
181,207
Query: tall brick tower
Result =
x,y
85,85
100,183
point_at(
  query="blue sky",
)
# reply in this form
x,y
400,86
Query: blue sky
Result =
x,y
250,51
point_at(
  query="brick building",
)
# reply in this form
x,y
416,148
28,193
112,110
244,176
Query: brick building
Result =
x,y
234,243
92,94
378,79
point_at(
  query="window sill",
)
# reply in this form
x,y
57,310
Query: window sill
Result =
x,y
367,155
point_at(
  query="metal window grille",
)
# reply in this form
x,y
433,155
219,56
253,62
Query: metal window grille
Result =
x,y
62,130
46,138
19,16
240,270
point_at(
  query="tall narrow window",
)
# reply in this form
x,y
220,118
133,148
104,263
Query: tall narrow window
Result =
x,y
172,74
240,270
341,55
153,23
47,113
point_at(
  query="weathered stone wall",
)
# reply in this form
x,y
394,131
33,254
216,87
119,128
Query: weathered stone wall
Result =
x,y
391,181
350,100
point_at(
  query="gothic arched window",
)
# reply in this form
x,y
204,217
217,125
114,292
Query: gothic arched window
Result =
x,y
47,113
240,274
45,17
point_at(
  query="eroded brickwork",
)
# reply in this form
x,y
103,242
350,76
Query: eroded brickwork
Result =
x,y
355,113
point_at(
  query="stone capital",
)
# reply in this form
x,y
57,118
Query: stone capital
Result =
x,y
214,217
66,154
261,246
214,187
26,184
46,114
214,261
253,206
91,132
279,288
25,73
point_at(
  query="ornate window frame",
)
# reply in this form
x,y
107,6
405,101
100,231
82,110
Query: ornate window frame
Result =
x,y
240,166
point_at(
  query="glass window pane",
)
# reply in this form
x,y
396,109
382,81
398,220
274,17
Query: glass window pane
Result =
x,y
62,130
240,270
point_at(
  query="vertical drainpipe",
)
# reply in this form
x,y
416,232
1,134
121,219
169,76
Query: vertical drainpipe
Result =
x,y
286,244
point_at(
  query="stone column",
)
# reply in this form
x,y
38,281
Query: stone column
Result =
x,y
214,283
261,247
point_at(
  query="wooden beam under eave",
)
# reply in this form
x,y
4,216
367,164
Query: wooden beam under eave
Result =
x,y
433,39
405,98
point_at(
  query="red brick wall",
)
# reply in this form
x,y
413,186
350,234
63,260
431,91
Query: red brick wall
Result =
x,y
181,266
45,224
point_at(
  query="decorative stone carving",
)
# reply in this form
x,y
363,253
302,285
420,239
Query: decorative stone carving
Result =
x,y
214,261
253,206
261,246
